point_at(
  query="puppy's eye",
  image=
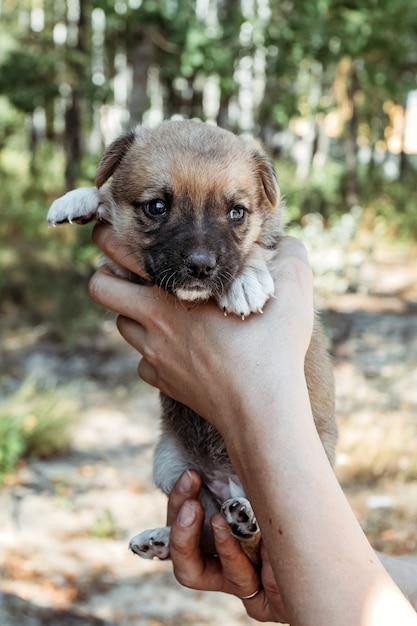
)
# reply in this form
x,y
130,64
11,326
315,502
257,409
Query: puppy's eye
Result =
x,y
237,214
155,208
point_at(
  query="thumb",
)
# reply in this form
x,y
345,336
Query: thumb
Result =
x,y
147,372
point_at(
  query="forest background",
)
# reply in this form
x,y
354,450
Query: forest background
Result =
x,y
330,87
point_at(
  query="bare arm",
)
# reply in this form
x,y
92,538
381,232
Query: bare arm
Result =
x,y
326,570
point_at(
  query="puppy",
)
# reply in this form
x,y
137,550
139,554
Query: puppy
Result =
x,y
200,210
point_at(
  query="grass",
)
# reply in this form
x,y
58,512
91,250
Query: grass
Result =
x,y
35,422
374,447
105,526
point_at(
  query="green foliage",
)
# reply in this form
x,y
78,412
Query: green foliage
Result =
x,y
303,46
44,271
35,422
319,194
45,282
105,526
10,120
28,79
193,58
388,206
12,445
391,205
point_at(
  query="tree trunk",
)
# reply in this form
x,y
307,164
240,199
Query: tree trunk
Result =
x,y
321,151
223,114
403,165
73,125
196,103
352,192
33,143
142,56
306,150
72,140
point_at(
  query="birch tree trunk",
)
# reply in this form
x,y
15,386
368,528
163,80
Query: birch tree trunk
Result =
x,y
72,134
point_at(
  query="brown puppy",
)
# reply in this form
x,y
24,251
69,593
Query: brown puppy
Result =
x,y
199,208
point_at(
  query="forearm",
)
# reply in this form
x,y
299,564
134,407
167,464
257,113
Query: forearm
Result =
x,y
325,568
403,569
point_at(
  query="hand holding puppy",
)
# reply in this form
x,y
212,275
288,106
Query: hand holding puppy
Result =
x,y
192,353
326,571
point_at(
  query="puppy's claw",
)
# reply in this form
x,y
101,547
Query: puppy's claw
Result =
x,y
242,317
260,311
225,311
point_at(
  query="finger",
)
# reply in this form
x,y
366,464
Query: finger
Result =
x,y
110,290
131,331
148,374
241,577
187,487
292,250
268,577
191,568
270,586
119,295
290,246
104,237
135,334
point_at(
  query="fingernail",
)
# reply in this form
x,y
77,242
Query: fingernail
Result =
x,y
221,532
186,482
186,517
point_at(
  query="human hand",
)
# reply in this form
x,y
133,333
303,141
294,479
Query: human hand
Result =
x,y
247,379
191,352
231,572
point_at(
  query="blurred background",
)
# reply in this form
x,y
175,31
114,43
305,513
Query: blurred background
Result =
x,y
331,90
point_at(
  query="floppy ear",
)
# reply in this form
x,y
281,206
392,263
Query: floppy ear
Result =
x,y
265,168
113,157
268,176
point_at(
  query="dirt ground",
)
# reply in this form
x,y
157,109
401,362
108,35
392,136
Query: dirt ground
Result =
x,y
65,522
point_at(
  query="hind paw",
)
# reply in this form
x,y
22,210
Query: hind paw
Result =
x,y
238,512
152,543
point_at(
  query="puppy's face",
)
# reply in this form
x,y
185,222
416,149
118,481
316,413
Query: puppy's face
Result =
x,y
192,202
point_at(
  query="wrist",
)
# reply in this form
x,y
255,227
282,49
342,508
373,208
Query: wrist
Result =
x,y
267,412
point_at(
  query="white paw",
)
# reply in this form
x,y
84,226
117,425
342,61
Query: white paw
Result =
x,y
152,543
238,512
80,206
249,292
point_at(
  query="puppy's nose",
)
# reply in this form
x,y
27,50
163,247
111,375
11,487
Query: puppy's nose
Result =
x,y
200,263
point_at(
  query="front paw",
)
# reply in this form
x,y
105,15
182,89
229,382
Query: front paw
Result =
x,y
79,206
249,292
152,543
239,514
